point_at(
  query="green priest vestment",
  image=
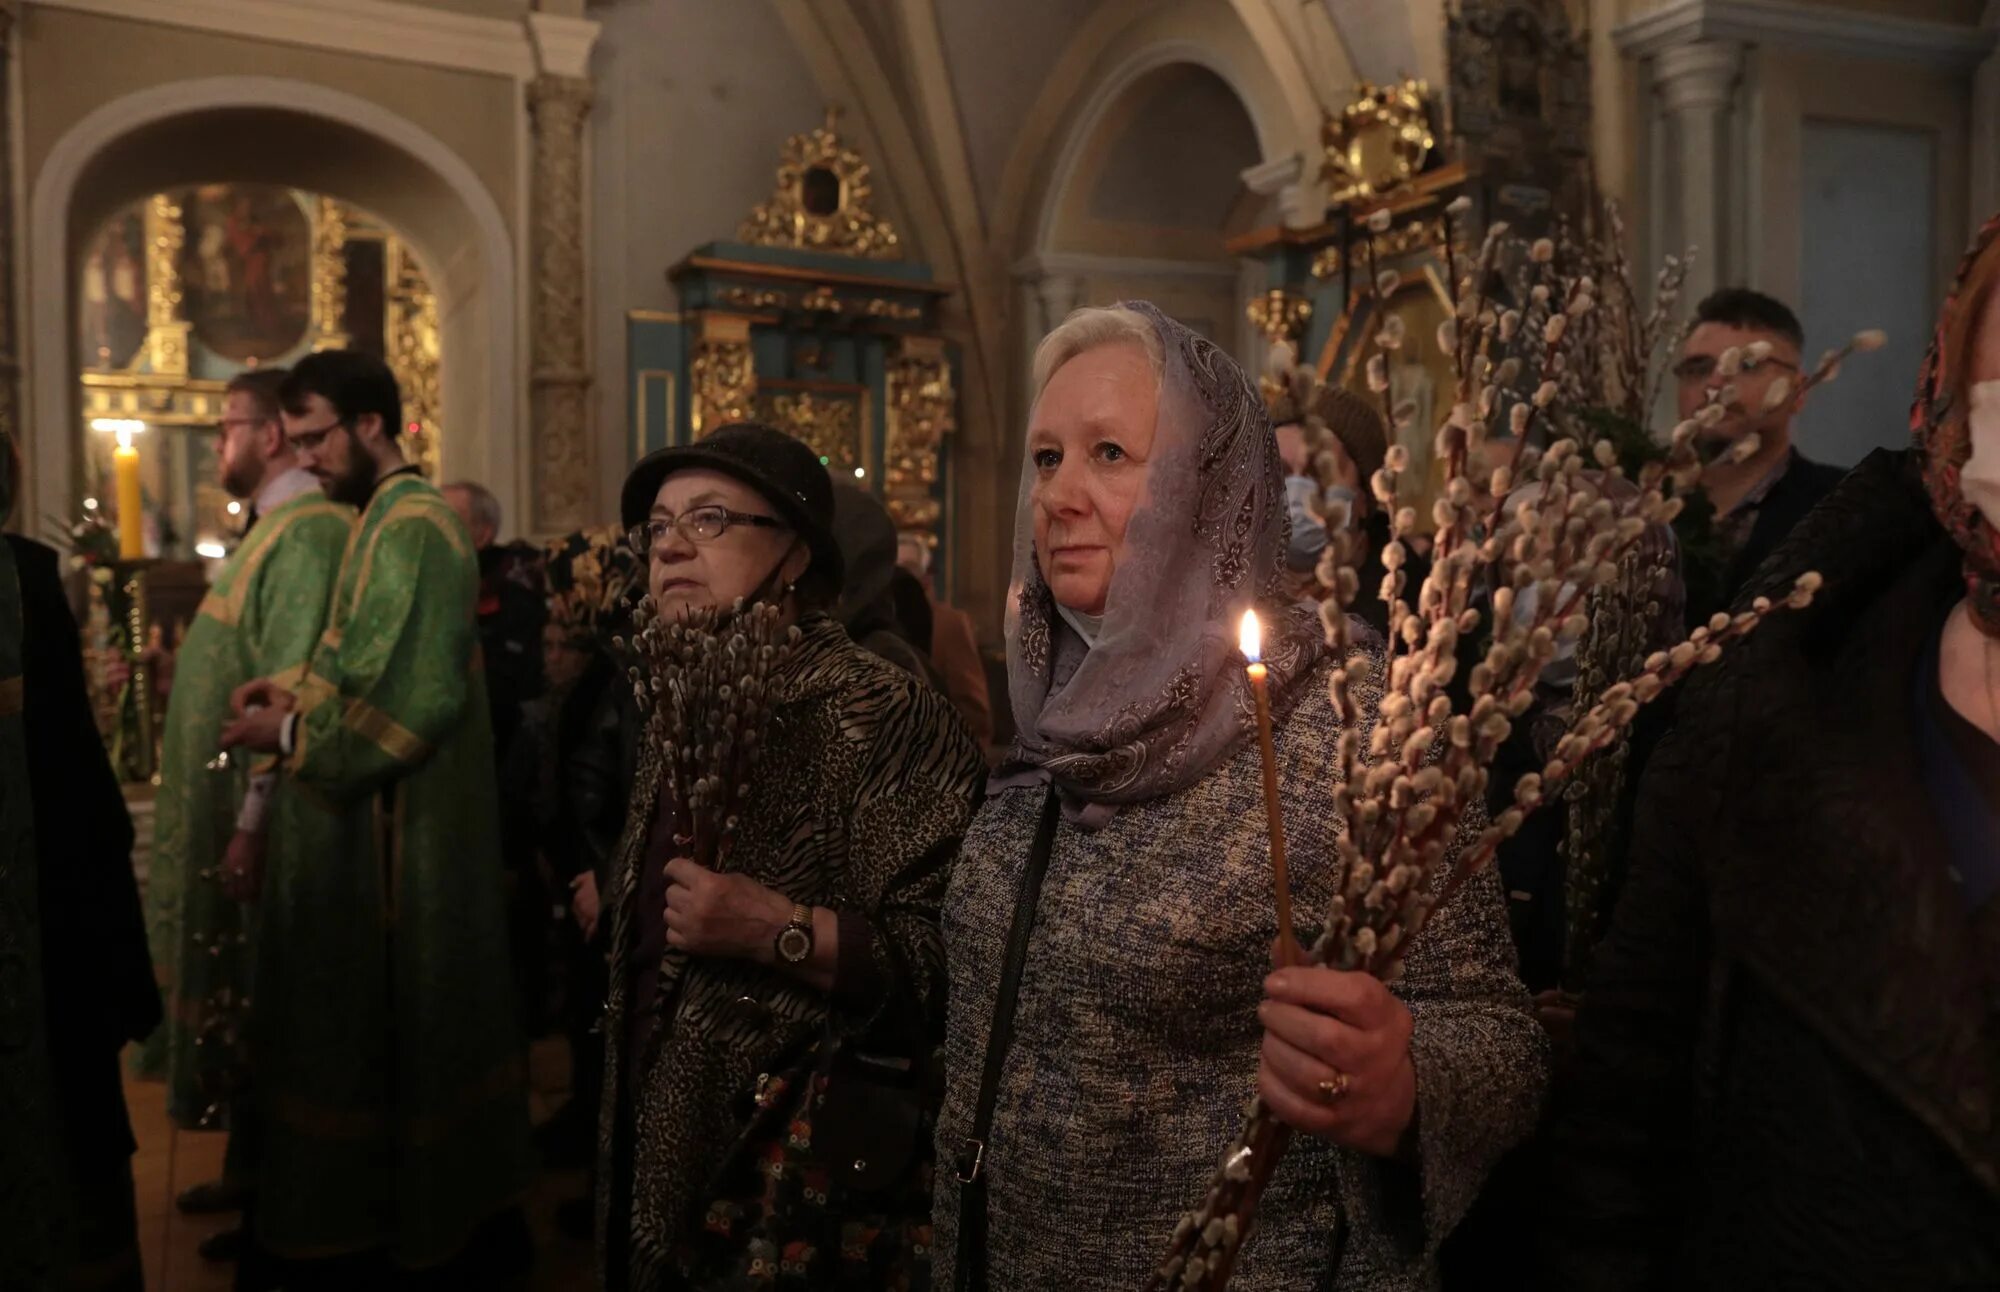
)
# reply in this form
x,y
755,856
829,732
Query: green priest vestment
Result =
x,y
262,615
390,1082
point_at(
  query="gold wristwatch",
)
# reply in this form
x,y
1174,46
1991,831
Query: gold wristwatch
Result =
x,y
795,940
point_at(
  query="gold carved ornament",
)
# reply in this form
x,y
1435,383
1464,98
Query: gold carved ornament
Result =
x,y
822,201
329,275
1378,143
1279,315
723,373
923,409
828,424
817,299
415,344
166,347
1416,235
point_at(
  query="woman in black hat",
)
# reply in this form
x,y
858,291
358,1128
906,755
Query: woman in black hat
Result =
x,y
769,1024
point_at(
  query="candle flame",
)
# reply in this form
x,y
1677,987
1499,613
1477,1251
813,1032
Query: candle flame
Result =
x,y
1251,637
123,427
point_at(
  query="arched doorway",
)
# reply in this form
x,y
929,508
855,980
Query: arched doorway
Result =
x,y
1148,193
298,136
1144,193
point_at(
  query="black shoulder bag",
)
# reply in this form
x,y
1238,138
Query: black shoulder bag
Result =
x,y
970,1160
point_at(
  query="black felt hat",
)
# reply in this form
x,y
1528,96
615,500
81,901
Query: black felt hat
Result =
x,y
784,470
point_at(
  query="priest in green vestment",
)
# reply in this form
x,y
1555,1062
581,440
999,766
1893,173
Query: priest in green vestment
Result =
x,y
216,827
389,1079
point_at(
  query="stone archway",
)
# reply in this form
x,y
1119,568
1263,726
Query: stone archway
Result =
x,y
302,136
1144,190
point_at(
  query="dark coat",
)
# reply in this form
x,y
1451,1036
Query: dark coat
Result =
x,y
1786,1064
97,973
1791,499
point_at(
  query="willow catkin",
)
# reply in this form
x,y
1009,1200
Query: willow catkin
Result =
x,y
1515,567
714,669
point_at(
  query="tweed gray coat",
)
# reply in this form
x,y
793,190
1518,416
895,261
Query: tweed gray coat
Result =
x,y
1137,1038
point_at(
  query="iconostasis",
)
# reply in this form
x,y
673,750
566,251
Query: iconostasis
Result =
x,y
182,290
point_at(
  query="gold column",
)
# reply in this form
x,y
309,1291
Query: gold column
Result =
x,y
923,409
166,329
416,350
723,373
329,275
560,380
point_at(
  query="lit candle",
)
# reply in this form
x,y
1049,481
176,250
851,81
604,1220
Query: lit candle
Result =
x,y
125,471
1251,641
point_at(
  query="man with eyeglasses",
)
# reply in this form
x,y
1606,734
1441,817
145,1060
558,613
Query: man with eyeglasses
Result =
x,y
213,819
393,1128
1759,500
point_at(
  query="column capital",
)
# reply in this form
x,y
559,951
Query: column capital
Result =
x,y
1699,74
1266,178
1059,295
1303,205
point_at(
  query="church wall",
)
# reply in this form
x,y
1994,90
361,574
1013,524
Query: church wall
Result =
x,y
694,102
76,62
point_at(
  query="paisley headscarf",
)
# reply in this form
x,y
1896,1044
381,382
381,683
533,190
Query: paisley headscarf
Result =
x,y
1943,434
1160,696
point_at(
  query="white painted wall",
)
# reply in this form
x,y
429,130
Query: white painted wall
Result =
x,y
694,101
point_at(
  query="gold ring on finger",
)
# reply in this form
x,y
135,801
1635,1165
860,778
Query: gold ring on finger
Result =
x,y
1334,1088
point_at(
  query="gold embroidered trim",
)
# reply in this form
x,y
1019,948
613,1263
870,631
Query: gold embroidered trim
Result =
x,y
390,736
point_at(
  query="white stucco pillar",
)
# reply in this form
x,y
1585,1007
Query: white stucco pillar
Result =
x,y
1697,83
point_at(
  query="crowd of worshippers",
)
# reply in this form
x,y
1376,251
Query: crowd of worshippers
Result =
x,y
973,999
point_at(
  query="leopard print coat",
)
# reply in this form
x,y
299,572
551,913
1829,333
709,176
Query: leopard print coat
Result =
x,y
858,805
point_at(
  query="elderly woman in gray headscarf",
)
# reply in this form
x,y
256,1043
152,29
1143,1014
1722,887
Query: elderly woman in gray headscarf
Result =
x,y
1110,921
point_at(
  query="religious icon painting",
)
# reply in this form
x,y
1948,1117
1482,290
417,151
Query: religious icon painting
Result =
x,y
112,293
246,270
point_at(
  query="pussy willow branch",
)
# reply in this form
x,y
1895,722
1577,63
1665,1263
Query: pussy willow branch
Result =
x,y
1408,764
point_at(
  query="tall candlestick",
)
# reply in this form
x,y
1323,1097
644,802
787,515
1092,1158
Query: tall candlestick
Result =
x,y
1251,641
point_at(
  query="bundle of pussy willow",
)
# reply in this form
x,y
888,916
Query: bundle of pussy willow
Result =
x,y
703,680
1544,334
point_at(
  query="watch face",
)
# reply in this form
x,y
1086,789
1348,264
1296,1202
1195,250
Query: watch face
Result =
x,y
795,944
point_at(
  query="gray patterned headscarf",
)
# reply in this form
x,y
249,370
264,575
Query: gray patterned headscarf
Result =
x,y
1161,697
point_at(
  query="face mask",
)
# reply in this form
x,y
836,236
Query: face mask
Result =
x,y
1979,479
1087,626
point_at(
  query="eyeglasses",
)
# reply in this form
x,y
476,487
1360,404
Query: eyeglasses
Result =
x,y
1700,367
308,441
696,525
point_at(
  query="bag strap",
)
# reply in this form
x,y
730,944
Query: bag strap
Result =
x,y
970,1160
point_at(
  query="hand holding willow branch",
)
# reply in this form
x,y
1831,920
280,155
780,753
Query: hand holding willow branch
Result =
x,y
1535,514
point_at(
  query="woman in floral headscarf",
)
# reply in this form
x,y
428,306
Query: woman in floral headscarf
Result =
x,y
1118,876
1788,1068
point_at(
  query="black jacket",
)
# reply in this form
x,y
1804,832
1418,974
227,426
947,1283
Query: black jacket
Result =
x,y
1788,1056
1791,499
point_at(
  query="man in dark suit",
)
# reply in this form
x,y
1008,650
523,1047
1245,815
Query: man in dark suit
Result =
x,y
1757,501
